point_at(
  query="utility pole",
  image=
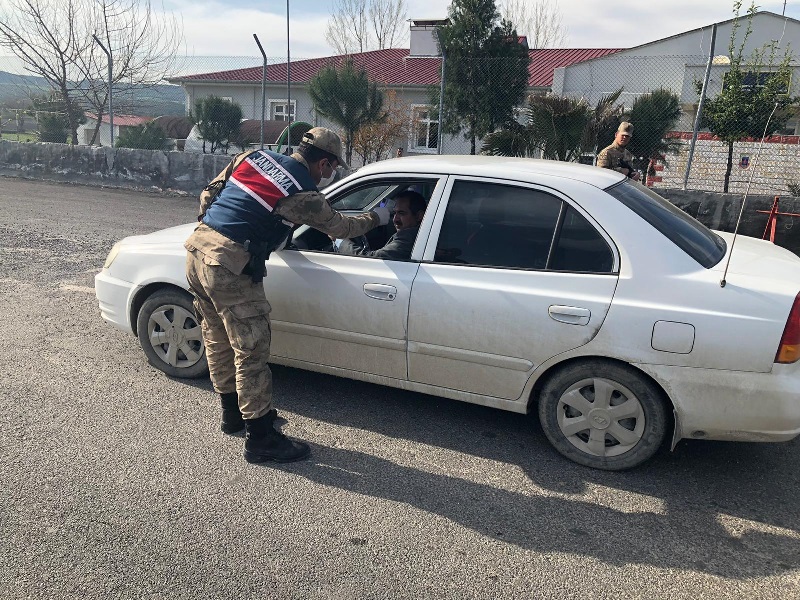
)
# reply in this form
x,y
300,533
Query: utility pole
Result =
x,y
441,95
699,114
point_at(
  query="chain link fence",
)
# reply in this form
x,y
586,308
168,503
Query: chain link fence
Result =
x,y
566,113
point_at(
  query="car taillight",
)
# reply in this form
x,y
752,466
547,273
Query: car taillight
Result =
x,y
789,350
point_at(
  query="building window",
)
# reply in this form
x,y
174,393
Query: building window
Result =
x,y
279,110
756,81
424,129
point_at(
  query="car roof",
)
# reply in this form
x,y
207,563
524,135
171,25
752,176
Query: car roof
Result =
x,y
503,167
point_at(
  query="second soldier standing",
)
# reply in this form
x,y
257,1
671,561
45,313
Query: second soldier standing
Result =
x,y
616,157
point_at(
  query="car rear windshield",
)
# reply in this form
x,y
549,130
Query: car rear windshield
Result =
x,y
691,236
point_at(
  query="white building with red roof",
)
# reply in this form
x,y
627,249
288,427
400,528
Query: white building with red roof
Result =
x,y
121,122
410,72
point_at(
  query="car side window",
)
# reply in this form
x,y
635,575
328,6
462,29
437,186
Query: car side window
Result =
x,y
360,198
497,225
579,246
500,225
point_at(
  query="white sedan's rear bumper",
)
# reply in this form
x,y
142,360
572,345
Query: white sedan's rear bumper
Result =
x,y
113,295
733,405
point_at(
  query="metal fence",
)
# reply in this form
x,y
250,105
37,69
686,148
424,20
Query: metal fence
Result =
x,y
567,112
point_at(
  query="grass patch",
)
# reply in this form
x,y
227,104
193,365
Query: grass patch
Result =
x,y
20,137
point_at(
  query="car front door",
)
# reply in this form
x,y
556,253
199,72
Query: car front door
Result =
x,y
516,275
343,311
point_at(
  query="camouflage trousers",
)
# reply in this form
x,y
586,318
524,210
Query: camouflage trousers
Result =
x,y
234,315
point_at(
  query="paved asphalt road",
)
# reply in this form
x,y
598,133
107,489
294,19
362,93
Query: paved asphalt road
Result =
x,y
115,481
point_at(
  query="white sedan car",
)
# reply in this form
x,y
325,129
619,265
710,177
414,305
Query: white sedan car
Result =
x,y
532,286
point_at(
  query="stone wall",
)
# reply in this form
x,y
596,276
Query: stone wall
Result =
x,y
720,211
189,172
120,167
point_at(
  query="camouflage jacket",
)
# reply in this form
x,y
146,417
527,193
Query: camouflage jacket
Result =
x,y
304,207
611,156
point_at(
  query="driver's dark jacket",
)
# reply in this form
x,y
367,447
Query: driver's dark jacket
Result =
x,y
398,247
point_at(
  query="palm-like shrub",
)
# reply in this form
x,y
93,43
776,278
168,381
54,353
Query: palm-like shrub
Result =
x,y
348,98
554,125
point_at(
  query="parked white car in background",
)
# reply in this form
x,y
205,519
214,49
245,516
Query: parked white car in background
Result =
x,y
533,286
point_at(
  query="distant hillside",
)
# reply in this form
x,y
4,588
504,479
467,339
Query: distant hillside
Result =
x,y
15,91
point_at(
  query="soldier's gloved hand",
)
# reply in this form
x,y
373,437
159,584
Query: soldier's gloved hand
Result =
x,y
383,214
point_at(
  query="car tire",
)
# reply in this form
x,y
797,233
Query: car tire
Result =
x,y
169,333
619,428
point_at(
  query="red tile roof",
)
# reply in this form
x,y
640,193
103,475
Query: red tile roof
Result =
x,y
395,67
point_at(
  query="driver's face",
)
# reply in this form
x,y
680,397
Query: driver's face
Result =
x,y
403,217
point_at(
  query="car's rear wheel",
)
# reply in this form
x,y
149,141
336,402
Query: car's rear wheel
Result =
x,y
170,334
603,415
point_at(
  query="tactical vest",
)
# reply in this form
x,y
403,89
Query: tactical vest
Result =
x,y
244,209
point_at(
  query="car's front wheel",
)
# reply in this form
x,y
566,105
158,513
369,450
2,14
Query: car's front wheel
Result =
x,y
603,415
170,334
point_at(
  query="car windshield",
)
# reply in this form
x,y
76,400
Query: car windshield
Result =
x,y
691,236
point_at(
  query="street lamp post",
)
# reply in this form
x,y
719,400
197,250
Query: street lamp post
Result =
x,y
263,88
110,87
289,113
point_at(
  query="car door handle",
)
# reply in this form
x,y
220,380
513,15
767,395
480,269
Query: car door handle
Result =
x,y
380,291
572,315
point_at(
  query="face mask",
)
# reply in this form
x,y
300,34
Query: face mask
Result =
x,y
326,181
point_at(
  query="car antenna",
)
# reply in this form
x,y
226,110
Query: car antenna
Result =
x,y
723,282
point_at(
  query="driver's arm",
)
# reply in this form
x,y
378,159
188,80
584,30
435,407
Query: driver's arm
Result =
x,y
347,246
312,209
398,247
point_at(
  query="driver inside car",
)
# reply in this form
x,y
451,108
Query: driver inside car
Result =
x,y
408,213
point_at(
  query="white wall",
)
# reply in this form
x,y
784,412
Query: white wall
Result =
x,y
669,63
86,130
771,170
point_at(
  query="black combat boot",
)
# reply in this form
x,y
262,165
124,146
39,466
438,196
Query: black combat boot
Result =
x,y
232,421
262,443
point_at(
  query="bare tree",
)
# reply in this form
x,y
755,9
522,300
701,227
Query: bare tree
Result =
x,y
53,38
388,19
143,46
539,20
362,25
48,37
377,139
347,30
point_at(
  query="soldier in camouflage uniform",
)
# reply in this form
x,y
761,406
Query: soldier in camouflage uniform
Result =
x,y
264,196
615,156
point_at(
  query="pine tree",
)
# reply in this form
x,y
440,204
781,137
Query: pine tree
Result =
x,y
486,70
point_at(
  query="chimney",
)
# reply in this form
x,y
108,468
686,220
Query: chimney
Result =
x,y
423,37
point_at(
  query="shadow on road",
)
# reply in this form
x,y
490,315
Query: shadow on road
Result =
x,y
700,486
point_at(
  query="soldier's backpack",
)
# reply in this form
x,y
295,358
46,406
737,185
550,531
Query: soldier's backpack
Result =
x,y
212,191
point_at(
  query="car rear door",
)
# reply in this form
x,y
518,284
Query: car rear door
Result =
x,y
512,275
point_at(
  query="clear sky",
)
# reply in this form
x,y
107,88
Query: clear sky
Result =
x,y
225,27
